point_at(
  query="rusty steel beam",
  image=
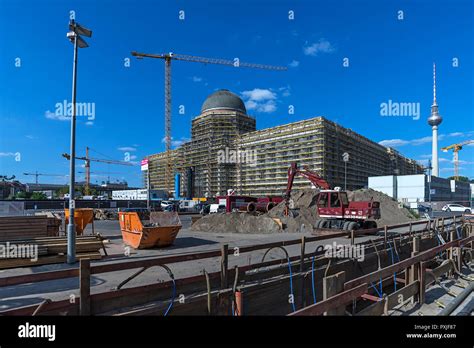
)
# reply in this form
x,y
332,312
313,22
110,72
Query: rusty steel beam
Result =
x,y
39,277
423,256
337,300
129,264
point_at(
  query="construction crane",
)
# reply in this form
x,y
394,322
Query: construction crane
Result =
x,y
456,148
36,174
168,57
87,165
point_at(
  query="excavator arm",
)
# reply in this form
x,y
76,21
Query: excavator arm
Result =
x,y
314,178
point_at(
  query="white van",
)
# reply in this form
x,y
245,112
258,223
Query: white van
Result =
x,y
217,208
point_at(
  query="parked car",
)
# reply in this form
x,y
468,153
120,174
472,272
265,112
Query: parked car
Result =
x,y
216,208
424,209
456,208
166,204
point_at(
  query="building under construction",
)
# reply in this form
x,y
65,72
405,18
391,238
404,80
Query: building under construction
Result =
x,y
227,152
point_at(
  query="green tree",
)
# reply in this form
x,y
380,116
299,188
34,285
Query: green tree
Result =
x,y
38,196
461,178
23,195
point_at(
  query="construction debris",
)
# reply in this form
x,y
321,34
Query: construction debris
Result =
x,y
105,214
305,214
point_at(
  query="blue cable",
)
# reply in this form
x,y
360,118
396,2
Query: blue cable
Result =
x,y
376,290
312,281
291,286
173,297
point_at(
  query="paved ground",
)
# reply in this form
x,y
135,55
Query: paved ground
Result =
x,y
186,242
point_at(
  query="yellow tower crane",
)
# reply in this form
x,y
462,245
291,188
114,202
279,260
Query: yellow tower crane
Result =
x,y
456,148
168,57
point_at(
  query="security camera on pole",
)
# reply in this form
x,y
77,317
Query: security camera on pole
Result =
x,y
75,30
345,158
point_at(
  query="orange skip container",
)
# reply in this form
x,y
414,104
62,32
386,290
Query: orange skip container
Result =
x,y
82,217
160,231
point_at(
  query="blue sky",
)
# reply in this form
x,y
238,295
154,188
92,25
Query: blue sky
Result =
x,y
390,56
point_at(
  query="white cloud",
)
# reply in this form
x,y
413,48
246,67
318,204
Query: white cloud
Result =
x,y
89,123
285,91
127,148
52,116
196,79
414,142
30,137
258,94
294,64
322,46
260,100
393,142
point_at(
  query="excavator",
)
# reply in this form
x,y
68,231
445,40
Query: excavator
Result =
x,y
334,209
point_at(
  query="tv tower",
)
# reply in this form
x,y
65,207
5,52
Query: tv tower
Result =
x,y
434,121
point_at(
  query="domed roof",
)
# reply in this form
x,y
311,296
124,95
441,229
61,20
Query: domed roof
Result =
x,y
223,99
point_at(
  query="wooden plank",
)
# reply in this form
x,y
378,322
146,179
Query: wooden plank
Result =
x,y
332,285
374,309
402,295
44,260
85,287
224,265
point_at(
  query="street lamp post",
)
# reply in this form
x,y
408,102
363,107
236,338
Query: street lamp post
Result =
x,y
345,158
75,30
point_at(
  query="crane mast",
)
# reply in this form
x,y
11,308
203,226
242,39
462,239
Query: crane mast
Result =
x,y
456,148
87,165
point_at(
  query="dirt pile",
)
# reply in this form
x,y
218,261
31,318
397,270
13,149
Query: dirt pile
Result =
x,y
305,214
391,211
303,205
236,223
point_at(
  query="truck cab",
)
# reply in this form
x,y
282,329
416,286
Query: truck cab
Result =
x,y
332,203
335,204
